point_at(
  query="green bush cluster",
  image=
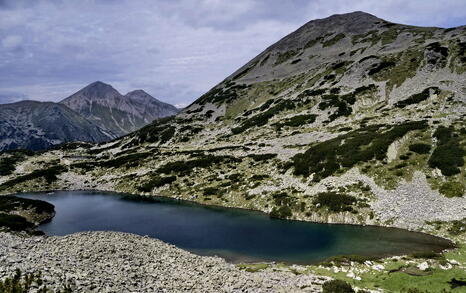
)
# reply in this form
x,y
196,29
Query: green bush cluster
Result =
x,y
10,203
337,286
376,68
448,155
335,202
159,130
325,158
259,177
281,212
262,157
208,191
417,98
427,255
24,283
263,118
124,160
297,120
457,227
15,223
437,48
9,160
186,167
156,181
420,148
283,57
333,40
50,175
342,103
452,189
228,94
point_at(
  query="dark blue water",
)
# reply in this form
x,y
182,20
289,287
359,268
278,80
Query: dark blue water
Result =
x,y
237,235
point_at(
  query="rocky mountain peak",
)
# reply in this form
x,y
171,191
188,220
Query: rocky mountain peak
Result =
x,y
98,90
139,95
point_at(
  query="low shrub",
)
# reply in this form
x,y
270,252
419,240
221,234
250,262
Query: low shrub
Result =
x,y
156,181
24,283
10,203
211,191
262,157
381,66
50,175
335,202
186,167
420,148
448,155
457,227
417,98
297,120
333,40
9,160
281,212
263,118
365,144
452,189
15,223
337,286
259,177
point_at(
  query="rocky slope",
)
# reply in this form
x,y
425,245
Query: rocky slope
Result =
x,y
136,264
117,114
39,125
349,119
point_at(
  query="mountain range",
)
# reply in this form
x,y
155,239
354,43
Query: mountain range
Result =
x,y
96,113
349,119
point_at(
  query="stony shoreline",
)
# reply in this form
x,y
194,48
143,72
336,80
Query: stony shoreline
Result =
x,y
123,262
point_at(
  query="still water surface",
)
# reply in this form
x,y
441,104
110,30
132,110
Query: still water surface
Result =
x,y
236,235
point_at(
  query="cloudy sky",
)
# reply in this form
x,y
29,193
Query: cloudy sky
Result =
x,y
174,49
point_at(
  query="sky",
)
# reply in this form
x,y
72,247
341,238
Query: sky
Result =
x,y
176,50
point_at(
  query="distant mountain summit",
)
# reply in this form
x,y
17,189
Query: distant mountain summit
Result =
x,y
40,125
117,114
96,113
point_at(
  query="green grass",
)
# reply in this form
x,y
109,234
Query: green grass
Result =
x,y
401,276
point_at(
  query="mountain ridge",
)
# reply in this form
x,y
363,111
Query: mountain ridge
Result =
x,y
33,125
121,113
